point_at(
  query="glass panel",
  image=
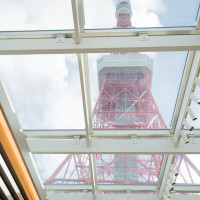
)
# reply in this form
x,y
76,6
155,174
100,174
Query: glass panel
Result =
x,y
188,169
128,168
135,90
140,13
35,15
63,169
45,90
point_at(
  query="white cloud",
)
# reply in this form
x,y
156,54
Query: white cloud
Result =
x,y
148,5
101,14
44,89
145,13
35,14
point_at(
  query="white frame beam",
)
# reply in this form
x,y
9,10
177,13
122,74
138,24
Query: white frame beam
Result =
x,y
64,196
109,146
88,92
187,70
103,188
101,133
100,45
84,97
198,20
120,188
166,172
162,171
81,15
188,89
76,18
163,31
61,196
187,188
92,161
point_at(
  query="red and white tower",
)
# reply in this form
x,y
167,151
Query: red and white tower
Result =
x,y
123,14
125,102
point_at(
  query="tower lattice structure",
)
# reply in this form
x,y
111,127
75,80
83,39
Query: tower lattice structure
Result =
x,y
125,101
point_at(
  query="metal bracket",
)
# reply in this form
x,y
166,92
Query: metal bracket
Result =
x,y
143,36
77,139
173,141
173,193
128,194
60,38
134,139
128,191
192,139
21,131
85,194
73,36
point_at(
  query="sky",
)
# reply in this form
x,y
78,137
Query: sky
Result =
x,y
43,88
146,13
52,15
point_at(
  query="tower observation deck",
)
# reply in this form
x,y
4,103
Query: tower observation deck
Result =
x,y
125,100
123,14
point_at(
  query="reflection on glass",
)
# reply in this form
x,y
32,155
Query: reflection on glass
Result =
x,y
188,169
128,168
63,169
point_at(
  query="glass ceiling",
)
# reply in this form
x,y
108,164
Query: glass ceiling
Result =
x,y
63,169
23,15
145,13
116,169
128,90
128,168
46,86
54,15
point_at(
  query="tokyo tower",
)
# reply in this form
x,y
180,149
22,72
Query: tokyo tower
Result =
x,y
125,101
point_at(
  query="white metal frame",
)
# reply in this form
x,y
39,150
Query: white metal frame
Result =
x,y
83,196
105,146
81,41
100,45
